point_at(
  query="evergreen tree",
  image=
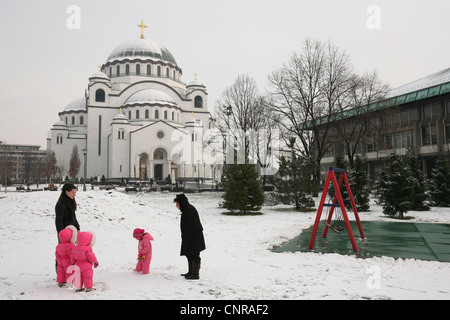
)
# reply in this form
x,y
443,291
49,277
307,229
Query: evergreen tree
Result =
x,y
440,182
339,160
293,182
419,196
359,184
340,163
243,192
395,188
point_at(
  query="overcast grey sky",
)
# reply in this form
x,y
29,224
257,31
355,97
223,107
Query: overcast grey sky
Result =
x,y
45,65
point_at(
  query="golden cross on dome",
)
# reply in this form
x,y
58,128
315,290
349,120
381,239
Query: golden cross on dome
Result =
x,y
142,26
100,67
195,75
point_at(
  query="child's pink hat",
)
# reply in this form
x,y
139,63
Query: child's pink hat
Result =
x,y
138,233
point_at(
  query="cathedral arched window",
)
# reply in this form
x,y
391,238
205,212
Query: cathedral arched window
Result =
x,y
167,72
118,71
165,115
73,120
174,74
81,120
137,114
198,103
138,69
156,114
100,95
158,72
59,139
146,114
173,116
121,134
149,69
127,69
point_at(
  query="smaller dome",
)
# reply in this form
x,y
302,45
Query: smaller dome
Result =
x,y
59,124
99,75
195,83
150,96
120,118
76,105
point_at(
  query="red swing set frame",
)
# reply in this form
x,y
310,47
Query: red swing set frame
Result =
x,y
340,203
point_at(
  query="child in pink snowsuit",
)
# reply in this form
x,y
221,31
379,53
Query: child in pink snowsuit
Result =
x,y
84,258
144,250
67,238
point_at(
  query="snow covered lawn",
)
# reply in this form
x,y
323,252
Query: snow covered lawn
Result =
x,y
237,264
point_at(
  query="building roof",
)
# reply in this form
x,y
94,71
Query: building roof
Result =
x,y
433,85
432,80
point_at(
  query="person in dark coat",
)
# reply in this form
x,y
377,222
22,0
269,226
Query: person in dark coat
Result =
x,y
65,210
192,240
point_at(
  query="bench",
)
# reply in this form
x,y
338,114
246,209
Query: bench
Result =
x,y
20,188
107,188
50,189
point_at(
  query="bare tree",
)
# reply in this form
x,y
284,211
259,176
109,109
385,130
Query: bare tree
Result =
x,y
242,115
27,166
60,169
354,121
306,94
5,164
51,167
74,164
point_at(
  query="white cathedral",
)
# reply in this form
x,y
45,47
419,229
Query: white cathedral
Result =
x,y
124,125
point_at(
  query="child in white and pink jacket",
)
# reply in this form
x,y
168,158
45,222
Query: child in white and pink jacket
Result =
x,y
144,250
63,253
85,259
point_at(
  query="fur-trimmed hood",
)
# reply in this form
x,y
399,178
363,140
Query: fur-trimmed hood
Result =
x,y
74,230
86,238
69,234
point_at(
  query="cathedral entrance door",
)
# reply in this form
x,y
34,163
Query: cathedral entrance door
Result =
x,y
158,172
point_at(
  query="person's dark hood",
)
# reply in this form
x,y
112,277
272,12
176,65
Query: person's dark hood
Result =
x,y
182,200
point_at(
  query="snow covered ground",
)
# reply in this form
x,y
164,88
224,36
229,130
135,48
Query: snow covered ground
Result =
x,y
237,264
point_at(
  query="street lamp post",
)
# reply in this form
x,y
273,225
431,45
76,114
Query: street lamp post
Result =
x,y
198,174
85,168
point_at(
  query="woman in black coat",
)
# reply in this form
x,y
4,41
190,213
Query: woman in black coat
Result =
x,y
65,208
192,240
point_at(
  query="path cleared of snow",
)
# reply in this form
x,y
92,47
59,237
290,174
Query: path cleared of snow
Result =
x,y
237,264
